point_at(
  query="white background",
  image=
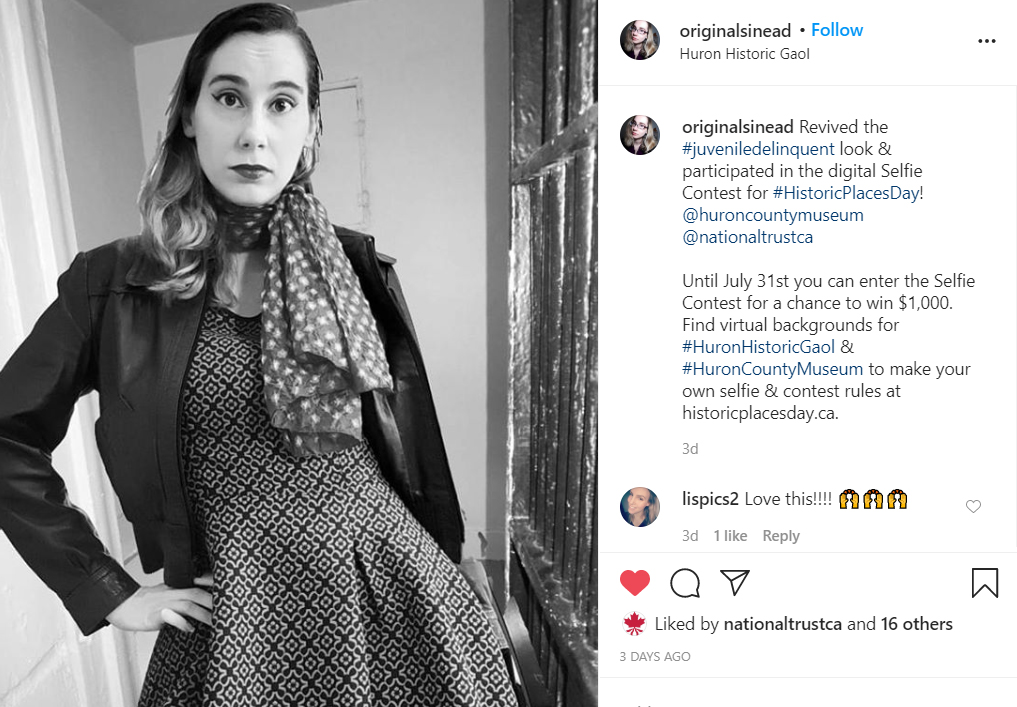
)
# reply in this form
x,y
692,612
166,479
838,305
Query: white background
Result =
x,y
949,104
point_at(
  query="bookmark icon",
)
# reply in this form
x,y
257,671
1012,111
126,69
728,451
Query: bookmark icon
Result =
x,y
986,578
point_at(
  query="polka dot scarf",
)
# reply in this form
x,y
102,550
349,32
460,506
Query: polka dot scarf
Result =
x,y
320,343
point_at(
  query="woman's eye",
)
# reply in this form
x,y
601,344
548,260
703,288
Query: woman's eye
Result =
x,y
230,100
281,105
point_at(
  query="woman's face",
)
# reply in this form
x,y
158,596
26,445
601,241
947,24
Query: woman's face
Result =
x,y
638,500
251,119
639,125
640,28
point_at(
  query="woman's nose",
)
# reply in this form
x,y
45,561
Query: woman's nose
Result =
x,y
253,134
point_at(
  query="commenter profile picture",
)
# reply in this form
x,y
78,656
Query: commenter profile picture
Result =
x,y
639,134
639,506
640,39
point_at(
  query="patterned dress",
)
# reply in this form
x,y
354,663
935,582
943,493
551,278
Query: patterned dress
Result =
x,y
327,590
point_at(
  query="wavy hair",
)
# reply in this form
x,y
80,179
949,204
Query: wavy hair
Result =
x,y
649,46
650,139
178,220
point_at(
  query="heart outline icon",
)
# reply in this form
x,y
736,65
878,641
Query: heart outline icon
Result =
x,y
974,505
635,582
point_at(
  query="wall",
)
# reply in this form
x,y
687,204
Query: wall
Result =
x,y
422,70
44,661
93,73
497,111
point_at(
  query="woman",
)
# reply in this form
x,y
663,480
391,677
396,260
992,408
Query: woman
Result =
x,y
638,135
638,40
265,420
640,507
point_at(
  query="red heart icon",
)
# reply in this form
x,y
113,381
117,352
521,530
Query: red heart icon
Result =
x,y
635,582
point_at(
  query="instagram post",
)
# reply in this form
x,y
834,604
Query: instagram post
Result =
x,y
808,358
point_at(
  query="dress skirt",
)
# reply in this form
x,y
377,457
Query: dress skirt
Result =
x,y
327,591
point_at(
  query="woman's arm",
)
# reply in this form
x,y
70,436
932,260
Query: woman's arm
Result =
x,y
38,389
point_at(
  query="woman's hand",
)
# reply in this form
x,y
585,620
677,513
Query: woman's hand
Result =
x,y
151,608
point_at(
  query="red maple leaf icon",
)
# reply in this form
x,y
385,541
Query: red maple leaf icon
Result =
x,y
635,624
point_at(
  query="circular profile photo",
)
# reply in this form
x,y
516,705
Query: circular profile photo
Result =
x,y
640,507
639,134
639,39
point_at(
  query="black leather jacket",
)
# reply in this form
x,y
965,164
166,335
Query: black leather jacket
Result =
x,y
106,332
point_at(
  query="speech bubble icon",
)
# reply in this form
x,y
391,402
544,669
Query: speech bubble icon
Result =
x,y
685,583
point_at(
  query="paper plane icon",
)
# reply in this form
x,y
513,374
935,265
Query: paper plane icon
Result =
x,y
736,578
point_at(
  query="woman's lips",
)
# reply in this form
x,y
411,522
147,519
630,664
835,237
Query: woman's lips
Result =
x,y
252,172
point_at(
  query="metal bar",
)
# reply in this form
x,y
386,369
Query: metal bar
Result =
x,y
591,445
555,76
583,57
553,663
546,642
552,295
590,614
569,631
527,78
520,292
553,455
526,657
563,386
537,260
585,173
586,594
577,136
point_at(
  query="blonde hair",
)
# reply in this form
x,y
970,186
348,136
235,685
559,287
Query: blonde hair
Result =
x,y
178,218
649,44
649,139
653,509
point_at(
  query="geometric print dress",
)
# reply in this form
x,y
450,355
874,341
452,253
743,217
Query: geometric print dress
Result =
x,y
327,591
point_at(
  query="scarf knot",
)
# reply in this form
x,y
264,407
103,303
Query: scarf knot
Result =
x,y
242,228
320,343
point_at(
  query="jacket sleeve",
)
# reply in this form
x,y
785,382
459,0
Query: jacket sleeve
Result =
x,y
38,389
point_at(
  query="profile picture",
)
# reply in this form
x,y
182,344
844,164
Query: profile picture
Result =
x,y
639,39
639,134
640,506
